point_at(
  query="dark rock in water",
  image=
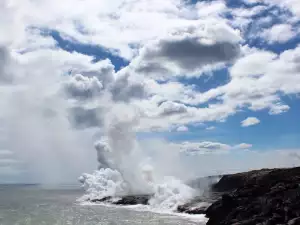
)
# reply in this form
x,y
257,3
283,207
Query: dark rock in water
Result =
x,y
105,199
134,200
261,197
125,200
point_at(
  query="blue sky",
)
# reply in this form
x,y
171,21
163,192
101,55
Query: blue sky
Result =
x,y
274,132
215,76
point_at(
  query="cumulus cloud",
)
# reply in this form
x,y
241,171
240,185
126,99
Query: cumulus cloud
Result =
x,y
125,88
106,20
253,64
169,108
279,33
278,109
293,6
83,87
250,121
249,12
190,54
103,70
57,96
211,9
189,51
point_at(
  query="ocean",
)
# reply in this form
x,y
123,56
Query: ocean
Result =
x,y
36,205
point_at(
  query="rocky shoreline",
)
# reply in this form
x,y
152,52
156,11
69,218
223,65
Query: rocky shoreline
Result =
x,y
260,197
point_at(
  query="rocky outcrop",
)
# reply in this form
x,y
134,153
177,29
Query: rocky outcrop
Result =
x,y
265,197
134,200
125,200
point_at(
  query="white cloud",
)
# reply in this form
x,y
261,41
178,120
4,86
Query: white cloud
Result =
x,y
138,22
253,64
182,129
208,30
279,33
83,87
243,146
205,147
162,40
248,12
126,87
211,9
291,5
250,121
278,109
170,108
189,51
210,128
208,147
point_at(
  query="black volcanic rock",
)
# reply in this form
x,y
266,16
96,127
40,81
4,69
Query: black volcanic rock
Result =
x,y
105,199
125,200
261,197
134,200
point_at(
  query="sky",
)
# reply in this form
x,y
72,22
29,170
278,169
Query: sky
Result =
x,y
215,78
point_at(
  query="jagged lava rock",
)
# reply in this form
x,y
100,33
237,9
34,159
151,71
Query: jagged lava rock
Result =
x,y
134,200
125,200
261,197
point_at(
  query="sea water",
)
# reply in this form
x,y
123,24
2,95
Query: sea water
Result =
x,y
37,205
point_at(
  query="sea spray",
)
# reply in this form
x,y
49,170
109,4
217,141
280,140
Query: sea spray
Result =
x,y
170,194
166,196
109,181
126,168
103,183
